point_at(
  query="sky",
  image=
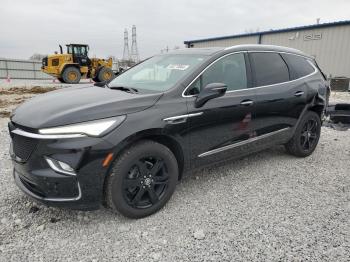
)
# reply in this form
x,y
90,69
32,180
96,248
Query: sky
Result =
x,y
39,26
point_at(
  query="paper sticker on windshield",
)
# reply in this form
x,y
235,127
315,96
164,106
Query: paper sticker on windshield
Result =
x,y
177,67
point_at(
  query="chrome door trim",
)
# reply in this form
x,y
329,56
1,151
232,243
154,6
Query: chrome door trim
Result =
x,y
250,140
21,132
221,57
181,118
256,87
280,52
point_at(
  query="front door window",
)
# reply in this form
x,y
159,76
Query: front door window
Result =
x,y
230,70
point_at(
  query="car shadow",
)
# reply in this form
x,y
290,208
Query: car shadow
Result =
x,y
42,214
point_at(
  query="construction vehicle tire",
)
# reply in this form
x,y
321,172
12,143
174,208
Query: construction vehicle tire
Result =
x,y
71,75
104,74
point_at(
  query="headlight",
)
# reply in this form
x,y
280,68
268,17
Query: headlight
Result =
x,y
90,128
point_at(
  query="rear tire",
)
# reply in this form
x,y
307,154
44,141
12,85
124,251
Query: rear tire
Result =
x,y
306,136
142,180
104,74
71,75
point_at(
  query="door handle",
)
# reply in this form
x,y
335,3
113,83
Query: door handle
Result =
x,y
299,93
247,102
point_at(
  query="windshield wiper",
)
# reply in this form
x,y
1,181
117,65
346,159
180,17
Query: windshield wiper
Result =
x,y
124,88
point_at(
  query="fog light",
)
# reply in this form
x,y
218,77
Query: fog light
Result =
x,y
60,166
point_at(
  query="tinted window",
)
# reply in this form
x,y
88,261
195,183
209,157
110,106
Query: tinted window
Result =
x,y
269,69
298,66
230,70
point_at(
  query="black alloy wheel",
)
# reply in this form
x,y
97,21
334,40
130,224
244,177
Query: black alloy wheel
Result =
x,y
309,135
306,135
142,180
146,182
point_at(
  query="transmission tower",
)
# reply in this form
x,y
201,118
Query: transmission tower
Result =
x,y
134,52
126,54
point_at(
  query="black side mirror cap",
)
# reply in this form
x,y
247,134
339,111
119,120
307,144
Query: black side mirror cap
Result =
x,y
209,92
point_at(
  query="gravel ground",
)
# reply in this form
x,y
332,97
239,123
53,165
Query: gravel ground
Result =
x,y
268,206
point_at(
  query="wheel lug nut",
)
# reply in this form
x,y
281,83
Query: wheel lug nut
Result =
x,y
141,182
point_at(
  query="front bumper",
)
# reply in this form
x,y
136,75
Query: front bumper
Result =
x,y
53,71
36,191
83,190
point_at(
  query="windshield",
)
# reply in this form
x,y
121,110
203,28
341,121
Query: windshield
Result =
x,y
158,73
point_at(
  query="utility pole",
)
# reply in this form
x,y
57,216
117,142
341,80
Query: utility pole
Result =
x,y
135,57
126,54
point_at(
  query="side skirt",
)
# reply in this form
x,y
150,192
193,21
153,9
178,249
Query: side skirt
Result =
x,y
245,142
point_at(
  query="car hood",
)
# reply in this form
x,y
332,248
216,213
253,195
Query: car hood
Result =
x,y
79,104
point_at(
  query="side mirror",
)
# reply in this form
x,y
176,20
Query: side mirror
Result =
x,y
210,91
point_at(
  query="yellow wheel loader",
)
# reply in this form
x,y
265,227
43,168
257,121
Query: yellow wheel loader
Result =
x,y
75,64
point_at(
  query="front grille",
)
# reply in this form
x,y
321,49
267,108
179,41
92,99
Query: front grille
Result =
x,y
23,146
44,61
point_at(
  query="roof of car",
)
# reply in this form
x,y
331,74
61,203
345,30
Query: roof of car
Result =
x,y
248,47
199,51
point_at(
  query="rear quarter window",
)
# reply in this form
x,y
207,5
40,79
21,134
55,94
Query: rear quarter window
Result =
x,y
269,68
298,66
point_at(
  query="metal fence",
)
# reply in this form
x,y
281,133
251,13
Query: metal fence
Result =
x,y
27,69
21,69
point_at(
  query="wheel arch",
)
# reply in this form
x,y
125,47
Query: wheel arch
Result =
x,y
318,105
158,136
154,135
65,66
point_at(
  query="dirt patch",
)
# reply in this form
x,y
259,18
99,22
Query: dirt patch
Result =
x,y
3,103
14,96
6,103
23,90
5,114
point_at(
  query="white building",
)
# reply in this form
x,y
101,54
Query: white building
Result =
x,y
329,43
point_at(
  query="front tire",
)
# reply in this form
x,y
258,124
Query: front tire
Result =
x,y
104,74
142,180
71,75
306,136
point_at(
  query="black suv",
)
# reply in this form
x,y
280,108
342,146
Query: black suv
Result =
x,y
126,144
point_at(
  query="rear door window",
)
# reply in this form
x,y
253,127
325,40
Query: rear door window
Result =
x,y
269,68
298,66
